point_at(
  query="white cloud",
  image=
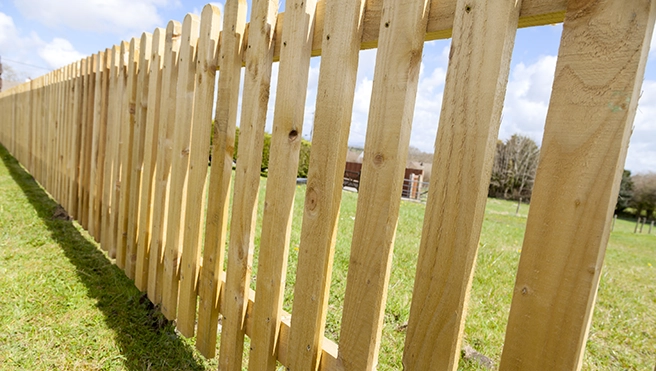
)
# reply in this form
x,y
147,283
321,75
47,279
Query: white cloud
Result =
x,y
527,101
8,32
18,48
527,98
642,148
428,107
428,102
59,52
113,16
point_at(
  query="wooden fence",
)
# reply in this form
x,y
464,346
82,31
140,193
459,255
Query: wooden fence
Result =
x,y
121,140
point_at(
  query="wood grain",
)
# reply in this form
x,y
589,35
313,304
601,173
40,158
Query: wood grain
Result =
x,y
184,110
164,157
136,162
201,128
111,155
128,117
589,122
150,159
393,96
281,182
121,85
332,120
479,64
223,133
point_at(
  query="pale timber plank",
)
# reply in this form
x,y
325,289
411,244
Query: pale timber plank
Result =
x,y
102,144
281,183
31,96
329,354
61,131
91,79
83,209
53,127
589,122
128,110
479,64
208,46
150,159
35,85
50,114
111,153
440,21
332,120
68,130
95,141
35,125
255,98
388,133
121,86
59,135
52,103
75,146
186,87
63,161
138,137
43,140
164,155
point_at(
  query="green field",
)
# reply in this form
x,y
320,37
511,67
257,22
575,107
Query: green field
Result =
x,y
65,306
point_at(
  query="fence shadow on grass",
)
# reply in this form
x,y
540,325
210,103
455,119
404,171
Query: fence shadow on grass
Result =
x,y
146,340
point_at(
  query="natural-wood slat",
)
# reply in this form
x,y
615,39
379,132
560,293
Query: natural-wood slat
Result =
x,y
393,96
136,162
256,90
128,110
208,46
111,155
332,120
589,123
240,252
281,183
94,197
150,159
75,146
479,64
164,155
115,190
184,102
87,118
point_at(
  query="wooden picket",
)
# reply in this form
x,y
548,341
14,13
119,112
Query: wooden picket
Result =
x,y
483,39
121,140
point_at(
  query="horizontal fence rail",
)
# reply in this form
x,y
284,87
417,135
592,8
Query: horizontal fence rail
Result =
x,y
121,140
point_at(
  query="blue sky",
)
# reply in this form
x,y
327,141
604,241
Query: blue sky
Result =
x,y
49,34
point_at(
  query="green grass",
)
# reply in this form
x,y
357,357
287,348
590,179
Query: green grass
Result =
x,y
66,306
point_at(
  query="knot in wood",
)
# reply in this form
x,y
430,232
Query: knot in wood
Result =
x,y
379,159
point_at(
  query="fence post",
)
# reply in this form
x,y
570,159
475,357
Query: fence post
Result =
x,y
635,230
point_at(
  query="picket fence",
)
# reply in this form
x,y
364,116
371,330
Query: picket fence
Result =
x,y
121,140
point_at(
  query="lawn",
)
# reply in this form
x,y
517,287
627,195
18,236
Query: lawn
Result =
x,y
66,306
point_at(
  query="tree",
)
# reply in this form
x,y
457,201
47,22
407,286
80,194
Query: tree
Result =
x,y
514,167
626,192
644,194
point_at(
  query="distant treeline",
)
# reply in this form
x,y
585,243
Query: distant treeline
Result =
x,y
637,195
